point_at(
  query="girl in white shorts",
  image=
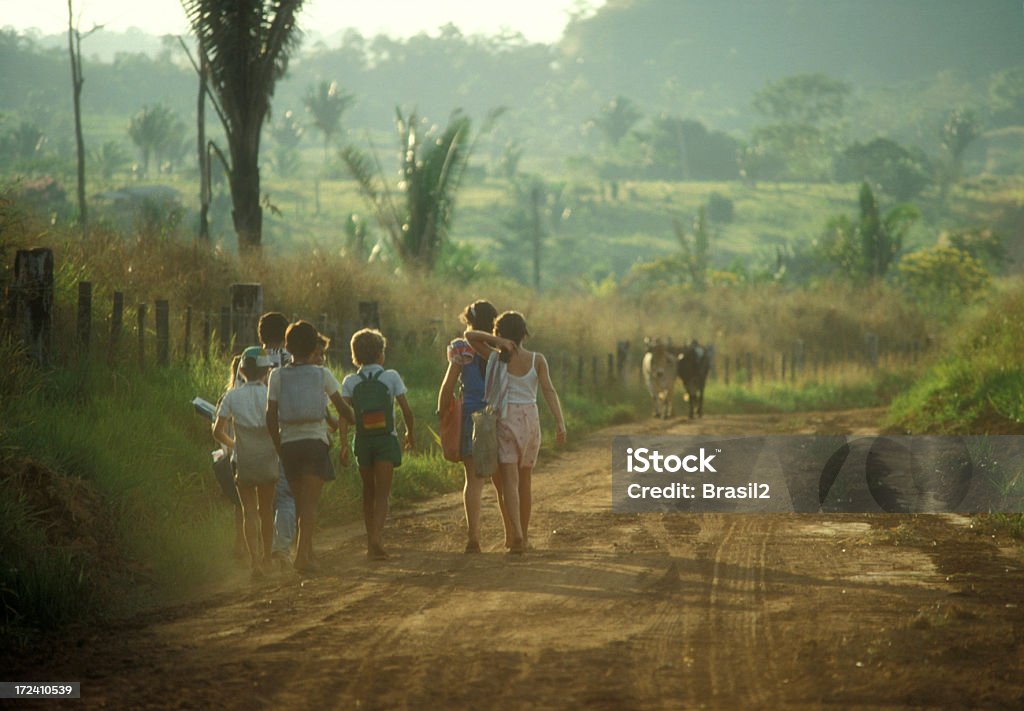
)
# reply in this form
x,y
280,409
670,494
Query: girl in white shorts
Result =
x,y
518,421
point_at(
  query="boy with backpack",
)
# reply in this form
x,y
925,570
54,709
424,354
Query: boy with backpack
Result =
x,y
372,392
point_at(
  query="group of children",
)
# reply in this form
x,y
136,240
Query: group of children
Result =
x,y
275,420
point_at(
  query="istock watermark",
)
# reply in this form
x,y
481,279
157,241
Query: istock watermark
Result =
x,y
810,474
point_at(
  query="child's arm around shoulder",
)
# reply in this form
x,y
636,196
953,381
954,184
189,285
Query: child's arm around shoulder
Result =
x,y
551,397
481,341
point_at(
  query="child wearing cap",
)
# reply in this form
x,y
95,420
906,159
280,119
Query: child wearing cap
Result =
x,y
296,419
243,409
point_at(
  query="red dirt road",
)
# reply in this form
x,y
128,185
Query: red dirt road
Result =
x,y
610,611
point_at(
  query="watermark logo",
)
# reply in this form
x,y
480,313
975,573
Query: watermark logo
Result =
x,y
898,474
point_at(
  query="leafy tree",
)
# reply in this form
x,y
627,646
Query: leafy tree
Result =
x,y
508,162
357,241
110,158
868,247
805,114
537,210
156,131
803,99
1006,92
287,133
417,220
326,103
759,160
26,141
695,257
683,149
245,47
942,274
615,119
981,243
956,134
900,173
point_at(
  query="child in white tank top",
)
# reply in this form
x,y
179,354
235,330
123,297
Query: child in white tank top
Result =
x,y
519,423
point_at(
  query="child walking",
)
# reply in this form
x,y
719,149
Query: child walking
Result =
x,y
518,420
271,329
226,475
372,392
296,419
243,409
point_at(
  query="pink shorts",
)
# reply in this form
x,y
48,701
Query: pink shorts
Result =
x,y
519,435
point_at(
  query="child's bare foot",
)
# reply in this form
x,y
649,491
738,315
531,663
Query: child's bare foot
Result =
x,y
517,547
473,547
377,552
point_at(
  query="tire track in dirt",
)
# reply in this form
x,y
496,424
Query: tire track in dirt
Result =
x,y
610,611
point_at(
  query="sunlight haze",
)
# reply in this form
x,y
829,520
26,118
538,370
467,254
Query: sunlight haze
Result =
x,y
537,20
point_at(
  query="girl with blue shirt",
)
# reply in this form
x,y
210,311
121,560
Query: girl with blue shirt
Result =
x,y
466,365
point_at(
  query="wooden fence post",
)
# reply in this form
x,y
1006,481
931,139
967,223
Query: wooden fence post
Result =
x,y
871,349
187,345
246,307
84,314
163,332
798,359
621,354
142,334
116,325
225,329
369,314
206,336
33,280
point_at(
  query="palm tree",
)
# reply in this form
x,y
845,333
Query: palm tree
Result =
x,y
154,131
327,103
616,118
245,45
417,221
287,134
868,247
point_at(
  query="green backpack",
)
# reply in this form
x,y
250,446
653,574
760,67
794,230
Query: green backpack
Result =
x,y
375,411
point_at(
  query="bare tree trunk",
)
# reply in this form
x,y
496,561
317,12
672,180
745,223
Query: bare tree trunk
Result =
x,y
75,50
538,237
204,156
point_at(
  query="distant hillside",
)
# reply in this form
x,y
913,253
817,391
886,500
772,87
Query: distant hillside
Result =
x,y
702,54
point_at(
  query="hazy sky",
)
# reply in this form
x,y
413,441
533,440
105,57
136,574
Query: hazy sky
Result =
x,y
537,20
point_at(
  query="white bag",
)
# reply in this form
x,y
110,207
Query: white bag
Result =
x,y
485,443
485,422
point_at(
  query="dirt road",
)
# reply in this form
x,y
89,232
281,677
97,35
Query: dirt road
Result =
x,y
609,611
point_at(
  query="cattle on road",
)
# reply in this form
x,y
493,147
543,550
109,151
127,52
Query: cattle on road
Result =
x,y
693,364
659,369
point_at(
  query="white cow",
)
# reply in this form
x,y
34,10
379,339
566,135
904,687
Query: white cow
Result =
x,y
659,369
